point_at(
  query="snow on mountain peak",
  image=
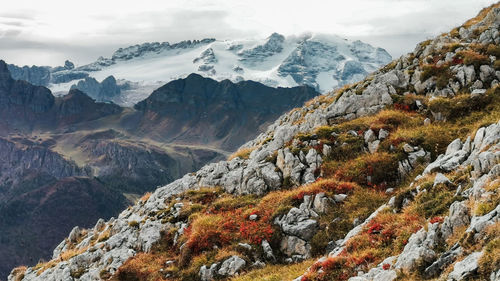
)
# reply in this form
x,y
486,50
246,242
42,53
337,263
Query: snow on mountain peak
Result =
x,y
320,60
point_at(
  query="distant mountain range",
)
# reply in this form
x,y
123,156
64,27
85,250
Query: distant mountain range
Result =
x,y
320,61
70,160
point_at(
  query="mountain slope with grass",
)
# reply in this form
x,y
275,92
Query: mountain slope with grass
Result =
x,y
52,147
392,178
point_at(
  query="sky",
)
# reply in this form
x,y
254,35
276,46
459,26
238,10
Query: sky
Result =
x,y
34,32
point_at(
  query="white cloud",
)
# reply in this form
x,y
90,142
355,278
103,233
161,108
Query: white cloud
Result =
x,y
50,31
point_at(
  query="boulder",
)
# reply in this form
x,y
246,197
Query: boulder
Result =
x,y
465,268
292,245
441,179
231,266
369,136
459,216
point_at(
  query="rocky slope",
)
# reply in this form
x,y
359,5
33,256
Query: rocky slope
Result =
x,y
320,61
53,144
395,177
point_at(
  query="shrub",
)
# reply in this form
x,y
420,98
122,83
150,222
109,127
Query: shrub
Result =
x,y
207,231
334,268
459,106
324,132
143,266
189,209
376,170
339,218
493,50
434,202
470,57
386,234
442,74
349,146
433,138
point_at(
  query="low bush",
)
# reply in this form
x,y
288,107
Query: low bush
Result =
x,y
459,106
442,74
493,50
470,57
375,170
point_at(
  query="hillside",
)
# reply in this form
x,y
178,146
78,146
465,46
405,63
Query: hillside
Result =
x,y
392,178
70,160
198,110
131,73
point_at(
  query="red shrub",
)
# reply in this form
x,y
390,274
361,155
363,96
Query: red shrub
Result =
x,y
386,266
436,220
402,107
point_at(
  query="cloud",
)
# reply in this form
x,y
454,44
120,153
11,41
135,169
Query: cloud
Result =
x,y
51,31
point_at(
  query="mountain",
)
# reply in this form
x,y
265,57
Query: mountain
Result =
x,y
317,60
392,178
198,110
70,160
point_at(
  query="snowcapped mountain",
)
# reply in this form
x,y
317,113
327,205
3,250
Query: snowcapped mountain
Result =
x,y
321,61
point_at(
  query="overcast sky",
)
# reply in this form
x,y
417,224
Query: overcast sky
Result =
x,y
50,31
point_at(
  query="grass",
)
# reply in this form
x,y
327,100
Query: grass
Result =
x,y
490,260
143,266
276,272
64,256
442,74
243,153
18,273
482,14
474,58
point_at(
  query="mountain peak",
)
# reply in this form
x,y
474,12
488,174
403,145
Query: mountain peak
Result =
x,y
4,72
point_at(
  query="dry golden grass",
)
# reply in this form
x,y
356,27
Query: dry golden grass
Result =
x,y
276,272
243,153
64,256
103,236
482,14
145,197
18,273
144,266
